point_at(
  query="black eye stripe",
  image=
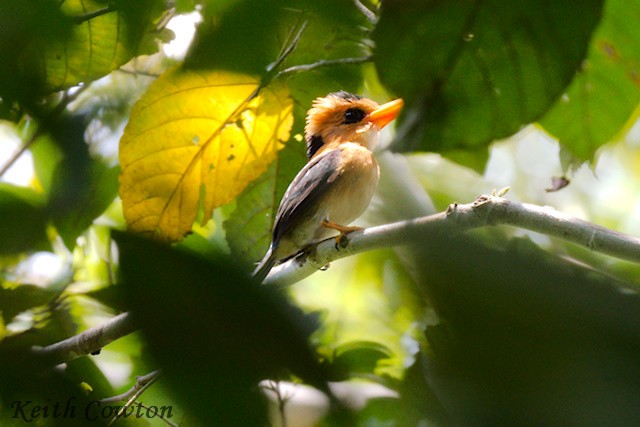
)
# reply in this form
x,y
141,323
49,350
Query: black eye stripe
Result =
x,y
353,115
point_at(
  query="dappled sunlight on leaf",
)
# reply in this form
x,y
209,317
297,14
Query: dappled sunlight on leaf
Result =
x,y
194,141
586,116
102,40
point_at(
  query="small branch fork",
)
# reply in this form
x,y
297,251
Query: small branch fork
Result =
x,y
484,211
142,384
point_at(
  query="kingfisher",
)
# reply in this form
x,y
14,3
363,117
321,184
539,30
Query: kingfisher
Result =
x,y
336,185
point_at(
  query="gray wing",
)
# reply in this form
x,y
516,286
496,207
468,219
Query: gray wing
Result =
x,y
307,188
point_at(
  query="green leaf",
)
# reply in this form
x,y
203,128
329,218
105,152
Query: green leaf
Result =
x,y
22,220
606,91
106,36
111,296
335,30
519,318
360,357
47,155
418,403
49,46
20,298
80,187
84,369
97,195
235,334
34,382
248,227
28,30
236,36
194,141
475,71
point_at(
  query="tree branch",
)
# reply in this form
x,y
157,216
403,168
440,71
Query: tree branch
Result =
x,y
142,383
90,340
484,211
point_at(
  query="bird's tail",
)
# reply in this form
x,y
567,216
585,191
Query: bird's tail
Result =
x,y
264,266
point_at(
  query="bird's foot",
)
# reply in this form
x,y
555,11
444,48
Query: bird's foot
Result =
x,y
302,256
342,240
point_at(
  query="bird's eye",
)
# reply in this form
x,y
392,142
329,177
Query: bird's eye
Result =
x,y
353,115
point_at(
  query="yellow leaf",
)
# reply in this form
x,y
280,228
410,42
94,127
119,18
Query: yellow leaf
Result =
x,y
194,141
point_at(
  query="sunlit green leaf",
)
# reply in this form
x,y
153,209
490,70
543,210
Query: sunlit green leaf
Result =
x,y
368,299
48,46
606,91
105,36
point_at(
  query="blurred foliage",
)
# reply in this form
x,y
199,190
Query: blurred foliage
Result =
x,y
52,46
541,341
242,333
494,327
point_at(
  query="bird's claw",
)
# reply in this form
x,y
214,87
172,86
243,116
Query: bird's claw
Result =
x,y
342,241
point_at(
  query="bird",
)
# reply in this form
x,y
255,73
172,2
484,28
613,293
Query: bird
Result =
x,y
336,184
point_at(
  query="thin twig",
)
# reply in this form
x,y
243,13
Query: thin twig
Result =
x,y
67,98
371,17
89,341
160,416
288,50
485,211
142,384
138,73
25,146
325,63
90,15
282,398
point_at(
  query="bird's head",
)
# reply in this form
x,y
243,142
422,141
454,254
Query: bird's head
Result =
x,y
343,117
